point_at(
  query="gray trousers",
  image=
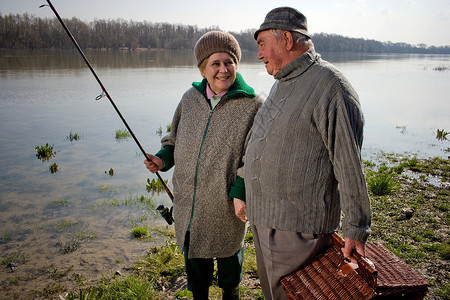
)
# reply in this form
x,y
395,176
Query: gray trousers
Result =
x,y
279,253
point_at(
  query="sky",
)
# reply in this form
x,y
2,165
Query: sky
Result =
x,y
410,21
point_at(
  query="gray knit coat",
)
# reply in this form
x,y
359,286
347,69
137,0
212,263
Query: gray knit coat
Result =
x,y
303,161
209,146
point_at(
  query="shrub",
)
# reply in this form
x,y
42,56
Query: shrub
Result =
x,y
382,183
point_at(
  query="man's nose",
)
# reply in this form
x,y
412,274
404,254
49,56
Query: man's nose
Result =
x,y
259,55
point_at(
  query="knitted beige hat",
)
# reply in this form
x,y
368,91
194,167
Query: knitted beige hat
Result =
x,y
217,41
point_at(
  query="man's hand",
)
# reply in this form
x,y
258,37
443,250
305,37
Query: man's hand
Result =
x,y
240,209
351,245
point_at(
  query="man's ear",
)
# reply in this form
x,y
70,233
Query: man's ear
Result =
x,y
288,40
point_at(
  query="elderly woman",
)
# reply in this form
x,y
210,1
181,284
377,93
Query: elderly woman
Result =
x,y
207,142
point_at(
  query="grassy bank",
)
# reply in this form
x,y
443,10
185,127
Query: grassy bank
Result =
x,y
413,219
410,204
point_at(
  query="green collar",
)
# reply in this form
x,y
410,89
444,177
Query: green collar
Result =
x,y
238,89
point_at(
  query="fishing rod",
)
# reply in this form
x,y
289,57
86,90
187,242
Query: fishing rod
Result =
x,y
165,212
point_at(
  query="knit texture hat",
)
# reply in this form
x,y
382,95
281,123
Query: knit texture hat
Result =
x,y
217,41
284,18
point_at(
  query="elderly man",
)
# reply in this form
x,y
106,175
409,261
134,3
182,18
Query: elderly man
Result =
x,y
303,161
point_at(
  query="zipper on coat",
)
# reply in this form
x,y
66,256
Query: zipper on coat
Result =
x,y
197,167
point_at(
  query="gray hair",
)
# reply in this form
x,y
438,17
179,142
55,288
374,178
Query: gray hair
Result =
x,y
298,37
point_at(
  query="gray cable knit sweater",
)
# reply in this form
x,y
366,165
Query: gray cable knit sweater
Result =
x,y
303,161
207,148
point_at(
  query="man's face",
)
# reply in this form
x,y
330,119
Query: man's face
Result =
x,y
272,51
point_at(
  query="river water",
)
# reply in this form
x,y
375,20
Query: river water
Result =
x,y
77,222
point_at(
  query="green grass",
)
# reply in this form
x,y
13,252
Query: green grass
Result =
x,y
73,136
109,189
382,183
122,134
441,135
442,68
143,201
110,172
140,232
70,235
17,257
159,130
128,288
5,238
53,168
45,153
422,240
59,202
155,186
65,225
158,268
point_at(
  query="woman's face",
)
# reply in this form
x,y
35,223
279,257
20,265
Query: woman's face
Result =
x,y
219,71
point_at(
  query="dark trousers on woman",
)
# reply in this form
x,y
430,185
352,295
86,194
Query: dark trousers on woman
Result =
x,y
200,273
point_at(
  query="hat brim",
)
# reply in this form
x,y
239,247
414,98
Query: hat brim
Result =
x,y
275,26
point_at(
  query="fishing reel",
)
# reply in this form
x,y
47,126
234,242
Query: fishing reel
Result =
x,y
166,213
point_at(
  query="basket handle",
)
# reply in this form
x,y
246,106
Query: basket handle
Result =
x,y
366,269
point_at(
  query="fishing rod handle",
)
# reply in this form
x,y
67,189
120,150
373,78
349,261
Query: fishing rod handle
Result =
x,y
168,191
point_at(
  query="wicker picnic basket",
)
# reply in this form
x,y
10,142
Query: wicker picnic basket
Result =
x,y
329,276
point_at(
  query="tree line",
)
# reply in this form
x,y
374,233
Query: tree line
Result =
x,y
29,32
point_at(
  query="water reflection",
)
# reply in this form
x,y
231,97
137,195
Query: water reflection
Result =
x,y
56,59
21,60
340,57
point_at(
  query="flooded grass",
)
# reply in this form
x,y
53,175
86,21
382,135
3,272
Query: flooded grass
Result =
x,y
441,135
45,153
109,189
59,203
66,225
5,238
11,261
53,168
73,136
140,232
122,134
441,68
159,130
69,235
155,186
141,201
